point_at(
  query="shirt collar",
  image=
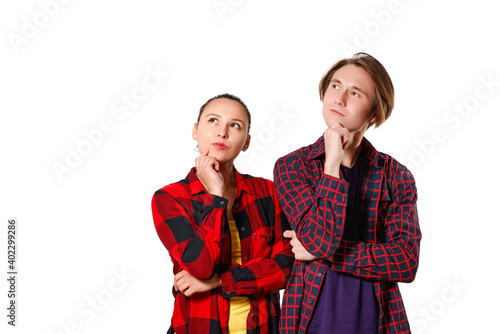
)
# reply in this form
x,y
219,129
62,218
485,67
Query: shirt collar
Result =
x,y
317,150
197,187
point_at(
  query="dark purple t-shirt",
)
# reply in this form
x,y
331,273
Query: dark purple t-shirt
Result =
x,y
347,304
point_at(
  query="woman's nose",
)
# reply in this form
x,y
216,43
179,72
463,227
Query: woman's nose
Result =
x,y
222,132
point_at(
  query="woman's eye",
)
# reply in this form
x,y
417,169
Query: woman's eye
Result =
x,y
236,125
212,120
355,94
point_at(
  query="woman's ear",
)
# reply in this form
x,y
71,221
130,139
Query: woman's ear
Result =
x,y
247,143
195,131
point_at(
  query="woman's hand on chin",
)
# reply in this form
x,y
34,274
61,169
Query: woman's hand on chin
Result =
x,y
207,170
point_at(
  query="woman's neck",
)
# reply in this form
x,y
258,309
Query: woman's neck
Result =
x,y
227,171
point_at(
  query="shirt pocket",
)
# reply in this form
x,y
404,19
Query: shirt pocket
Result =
x,y
262,241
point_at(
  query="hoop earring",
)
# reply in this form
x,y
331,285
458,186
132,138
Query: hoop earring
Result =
x,y
196,149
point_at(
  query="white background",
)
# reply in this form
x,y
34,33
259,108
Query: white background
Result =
x,y
67,66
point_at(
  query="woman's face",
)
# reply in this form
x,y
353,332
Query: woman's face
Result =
x,y
222,129
348,99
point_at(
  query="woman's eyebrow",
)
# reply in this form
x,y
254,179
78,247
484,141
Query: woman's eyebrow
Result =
x,y
217,115
238,120
212,114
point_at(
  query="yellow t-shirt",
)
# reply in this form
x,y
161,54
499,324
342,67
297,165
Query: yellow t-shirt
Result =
x,y
239,306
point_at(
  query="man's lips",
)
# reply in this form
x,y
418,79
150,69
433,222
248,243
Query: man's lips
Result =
x,y
220,146
336,112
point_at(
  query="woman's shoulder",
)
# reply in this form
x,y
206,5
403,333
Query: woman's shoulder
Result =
x,y
257,182
175,189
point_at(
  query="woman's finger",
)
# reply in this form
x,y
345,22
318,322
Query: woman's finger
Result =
x,y
183,287
188,292
179,274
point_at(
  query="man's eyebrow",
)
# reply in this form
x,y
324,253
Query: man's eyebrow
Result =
x,y
361,90
353,87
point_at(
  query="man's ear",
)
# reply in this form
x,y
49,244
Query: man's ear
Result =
x,y
373,119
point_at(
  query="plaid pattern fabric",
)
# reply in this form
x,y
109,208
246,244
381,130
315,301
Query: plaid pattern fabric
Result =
x,y
193,226
315,205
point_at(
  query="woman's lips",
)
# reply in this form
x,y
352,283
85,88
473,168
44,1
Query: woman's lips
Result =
x,y
220,146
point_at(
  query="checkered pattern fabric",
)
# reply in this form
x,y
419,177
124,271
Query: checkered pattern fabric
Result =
x,y
315,205
193,226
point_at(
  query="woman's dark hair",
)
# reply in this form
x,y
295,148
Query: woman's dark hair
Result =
x,y
230,97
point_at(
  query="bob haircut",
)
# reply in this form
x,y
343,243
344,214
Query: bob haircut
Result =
x,y
383,101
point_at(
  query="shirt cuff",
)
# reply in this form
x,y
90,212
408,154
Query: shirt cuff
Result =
x,y
228,287
331,187
215,201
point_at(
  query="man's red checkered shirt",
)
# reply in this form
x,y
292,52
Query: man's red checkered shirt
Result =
x,y
315,205
193,226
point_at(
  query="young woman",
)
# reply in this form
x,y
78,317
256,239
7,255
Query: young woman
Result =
x,y
224,233
353,212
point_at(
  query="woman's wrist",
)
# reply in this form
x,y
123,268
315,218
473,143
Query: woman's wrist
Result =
x,y
213,189
218,191
216,281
